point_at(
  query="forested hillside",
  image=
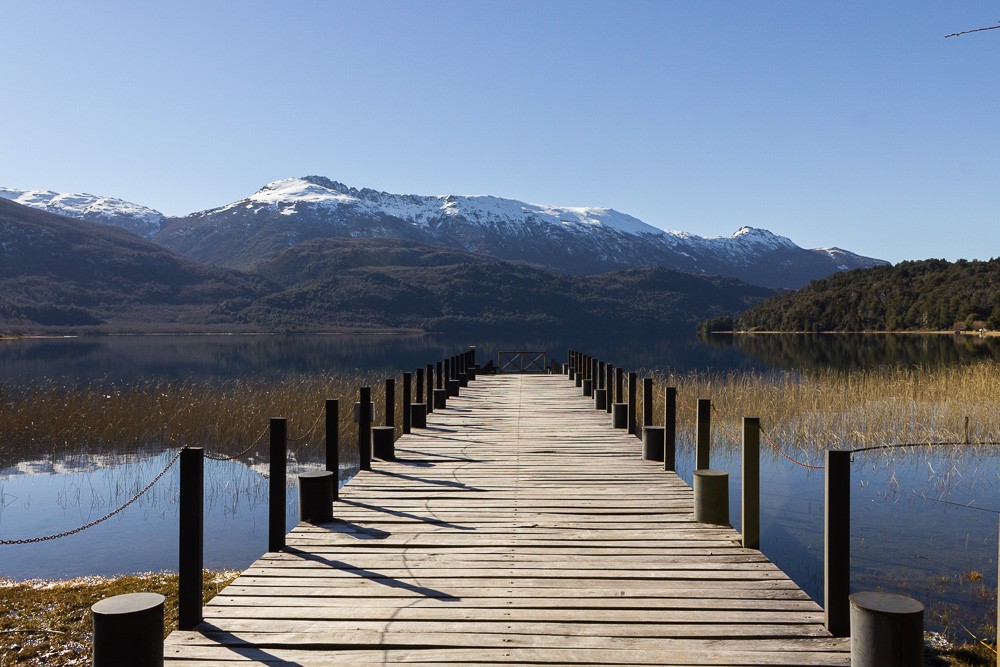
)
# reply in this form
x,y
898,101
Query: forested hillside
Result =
x,y
930,294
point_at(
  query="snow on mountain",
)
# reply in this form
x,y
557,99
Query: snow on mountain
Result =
x,y
137,219
582,240
292,196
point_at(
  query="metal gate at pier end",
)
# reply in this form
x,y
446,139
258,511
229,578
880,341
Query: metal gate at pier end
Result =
x,y
522,362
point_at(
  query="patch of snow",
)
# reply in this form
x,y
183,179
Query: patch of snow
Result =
x,y
109,210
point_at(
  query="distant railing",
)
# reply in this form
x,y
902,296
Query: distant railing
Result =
x,y
522,362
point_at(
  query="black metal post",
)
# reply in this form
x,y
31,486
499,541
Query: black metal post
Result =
x,y
390,402
365,428
647,402
633,382
430,388
420,386
333,442
703,439
751,483
407,381
670,429
611,387
191,538
277,467
837,543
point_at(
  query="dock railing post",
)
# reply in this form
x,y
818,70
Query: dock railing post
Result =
x,y
390,401
647,402
365,428
619,385
277,467
751,483
191,538
333,442
407,382
633,382
610,386
703,437
430,388
670,429
837,543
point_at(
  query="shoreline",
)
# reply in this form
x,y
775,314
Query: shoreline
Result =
x,y
960,334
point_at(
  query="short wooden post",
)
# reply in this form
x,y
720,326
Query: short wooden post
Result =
x,y
670,429
633,385
751,483
390,402
711,496
887,630
652,443
610,386
277,469
191,537
315,497
703,437
454,388
365,428
333,442
837,543
128,631
407,381
430,388
383,446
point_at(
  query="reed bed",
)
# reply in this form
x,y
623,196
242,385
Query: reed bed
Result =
x,y
226,417
809,412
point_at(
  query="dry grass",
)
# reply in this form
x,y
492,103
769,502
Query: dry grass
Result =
x,y
809,412
49,418
49,623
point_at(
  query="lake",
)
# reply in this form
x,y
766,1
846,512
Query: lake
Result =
x,y
906,537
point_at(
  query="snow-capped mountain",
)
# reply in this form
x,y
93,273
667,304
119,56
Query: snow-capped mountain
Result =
x,y
107,210
575,239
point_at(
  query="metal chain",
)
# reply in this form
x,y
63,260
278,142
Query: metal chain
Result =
x,y
780,451
230,457
33,540
309,432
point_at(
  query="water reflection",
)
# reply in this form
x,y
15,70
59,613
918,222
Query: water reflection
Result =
x,y
49,496
904,536
848,352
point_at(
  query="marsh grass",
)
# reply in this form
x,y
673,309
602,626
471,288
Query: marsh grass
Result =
x,y
810,412
225,417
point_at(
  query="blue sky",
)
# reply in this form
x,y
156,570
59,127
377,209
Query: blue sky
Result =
x,y
851,124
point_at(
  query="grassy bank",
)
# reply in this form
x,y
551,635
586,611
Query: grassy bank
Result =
x,y
49,622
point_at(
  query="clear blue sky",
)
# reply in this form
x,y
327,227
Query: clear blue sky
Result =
x,y
848,123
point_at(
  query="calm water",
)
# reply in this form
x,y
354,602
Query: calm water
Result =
x,y
903,538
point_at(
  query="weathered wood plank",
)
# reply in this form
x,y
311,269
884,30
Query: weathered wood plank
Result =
x,y
518,528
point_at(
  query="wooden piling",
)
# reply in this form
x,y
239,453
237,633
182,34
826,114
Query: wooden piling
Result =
x,y
390,402
365,428
703,437
751,483
633,385
670,429
333,442
191,537
837,543
277,468
407,381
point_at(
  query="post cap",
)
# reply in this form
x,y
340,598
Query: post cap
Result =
x,y
128,603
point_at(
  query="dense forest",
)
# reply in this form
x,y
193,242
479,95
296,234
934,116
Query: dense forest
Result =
x,y
931,295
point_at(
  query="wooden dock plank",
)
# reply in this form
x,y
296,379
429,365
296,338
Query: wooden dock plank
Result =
x,y
518,528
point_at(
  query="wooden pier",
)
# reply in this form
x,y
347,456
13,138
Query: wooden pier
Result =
x,y
518,527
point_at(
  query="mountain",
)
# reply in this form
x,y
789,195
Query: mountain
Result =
x,y
57,271
280,215
925,295
137,219
393,283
